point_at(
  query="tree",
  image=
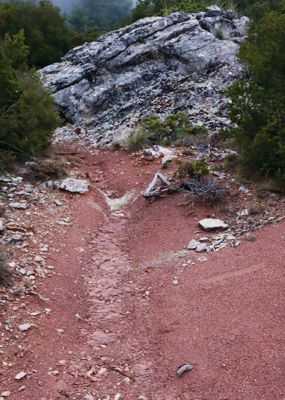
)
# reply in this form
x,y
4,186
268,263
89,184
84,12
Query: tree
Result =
x,y
258,106
45,29
27,114
106,14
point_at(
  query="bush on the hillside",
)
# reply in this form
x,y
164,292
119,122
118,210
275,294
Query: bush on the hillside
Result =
x,y
27,114
196,169
175,128
258,107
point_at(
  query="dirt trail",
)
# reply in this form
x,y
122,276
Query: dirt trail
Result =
x,y
128,305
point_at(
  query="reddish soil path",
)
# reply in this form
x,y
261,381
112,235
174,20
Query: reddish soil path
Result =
x,y
118,323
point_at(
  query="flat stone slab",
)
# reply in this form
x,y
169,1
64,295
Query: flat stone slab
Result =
x,y
74,185
212,224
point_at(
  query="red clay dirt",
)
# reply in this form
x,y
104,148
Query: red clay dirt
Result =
x,y
128,306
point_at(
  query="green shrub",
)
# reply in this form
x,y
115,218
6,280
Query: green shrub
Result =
x,y
27,114
139,140
258,107
194,169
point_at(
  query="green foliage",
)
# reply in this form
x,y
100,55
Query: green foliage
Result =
x,y
137,141
258,107
45,29
147,8
27,114
106,14
195,169
175,128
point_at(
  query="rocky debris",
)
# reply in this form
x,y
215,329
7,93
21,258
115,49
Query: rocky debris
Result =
x,y
158,151
184,368
19,205
158,65
209,224
25,327
7,393
192,245
214,243
20,375
74,185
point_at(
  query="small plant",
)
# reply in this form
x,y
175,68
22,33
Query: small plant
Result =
x,y
194,169
255,208
219,32
139,140
5,272
116,146
42,170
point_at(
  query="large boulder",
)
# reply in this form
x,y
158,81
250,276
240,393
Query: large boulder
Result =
x,y
159,65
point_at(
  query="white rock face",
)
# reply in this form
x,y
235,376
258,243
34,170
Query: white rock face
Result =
x,y
158,65
211,223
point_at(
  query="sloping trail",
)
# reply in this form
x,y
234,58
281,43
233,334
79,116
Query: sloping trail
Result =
x,y
118,324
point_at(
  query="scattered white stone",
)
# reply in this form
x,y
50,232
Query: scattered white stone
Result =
x,y
192,245
175,281
212,223
25,327
6,394
20,375
118,396
243,213
2,226
35,314
243,189
19,206
89,397
74,185
58,203
201,248
44,248
158,151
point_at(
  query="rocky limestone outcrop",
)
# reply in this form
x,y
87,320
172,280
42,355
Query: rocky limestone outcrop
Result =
x,y
159,65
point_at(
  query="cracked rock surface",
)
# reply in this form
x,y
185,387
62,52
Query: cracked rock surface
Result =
x,y
158,65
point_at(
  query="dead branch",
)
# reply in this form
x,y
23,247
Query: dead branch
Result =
x,y
152,190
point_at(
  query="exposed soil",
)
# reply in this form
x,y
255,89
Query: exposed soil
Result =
x,y
125,304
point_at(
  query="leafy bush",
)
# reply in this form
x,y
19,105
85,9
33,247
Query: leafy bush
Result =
x,y
258,107
175,128
194,169
27,114
137,141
